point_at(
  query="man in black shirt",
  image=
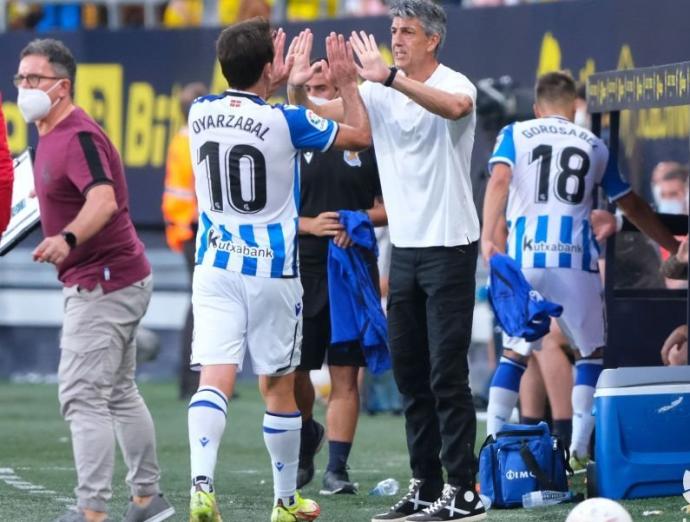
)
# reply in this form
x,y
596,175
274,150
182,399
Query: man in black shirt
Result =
x,y
331,181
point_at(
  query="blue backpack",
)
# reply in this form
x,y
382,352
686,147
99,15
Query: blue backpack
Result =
x,y
522,458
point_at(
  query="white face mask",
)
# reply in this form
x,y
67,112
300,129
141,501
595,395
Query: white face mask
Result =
x,y
34,104
656,194
671,206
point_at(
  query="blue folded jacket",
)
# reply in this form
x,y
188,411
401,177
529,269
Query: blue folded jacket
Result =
x,y
520,310
356,313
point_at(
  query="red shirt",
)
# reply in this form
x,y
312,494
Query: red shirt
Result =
x,y
75,156
6,175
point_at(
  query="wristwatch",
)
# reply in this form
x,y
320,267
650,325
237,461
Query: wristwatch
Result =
x,y
391,77
70,238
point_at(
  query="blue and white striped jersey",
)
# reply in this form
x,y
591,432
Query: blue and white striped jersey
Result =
x,y
246,161
556,166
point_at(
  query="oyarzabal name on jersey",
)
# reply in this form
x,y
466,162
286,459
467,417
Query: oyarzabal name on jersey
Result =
x,y
536,130
230,121
533,246
244,250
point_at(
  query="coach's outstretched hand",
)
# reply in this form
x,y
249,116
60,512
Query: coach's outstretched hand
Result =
x,y
373,67
341,68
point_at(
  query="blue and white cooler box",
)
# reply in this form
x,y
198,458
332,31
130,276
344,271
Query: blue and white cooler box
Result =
x,y
642,420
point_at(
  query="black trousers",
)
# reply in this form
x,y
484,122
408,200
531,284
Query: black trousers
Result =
x,y
430,308
189,379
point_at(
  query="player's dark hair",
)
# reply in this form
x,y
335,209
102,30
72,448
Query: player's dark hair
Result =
x,y
430,14
555,87
243,49
58,56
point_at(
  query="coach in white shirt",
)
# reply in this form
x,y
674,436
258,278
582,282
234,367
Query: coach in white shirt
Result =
x,y
422,119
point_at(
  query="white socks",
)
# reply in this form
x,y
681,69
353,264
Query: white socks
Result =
x,y
587,373
503,394
282,439
206,422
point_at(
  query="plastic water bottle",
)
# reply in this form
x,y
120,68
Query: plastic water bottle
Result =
x,y
486,501
544,498
386,487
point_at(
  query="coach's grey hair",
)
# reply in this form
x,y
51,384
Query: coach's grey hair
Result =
x,y
430,14
58,55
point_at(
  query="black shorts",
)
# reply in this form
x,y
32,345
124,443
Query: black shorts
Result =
x,y
316,331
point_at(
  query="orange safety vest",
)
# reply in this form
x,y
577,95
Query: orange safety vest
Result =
x,y
179,200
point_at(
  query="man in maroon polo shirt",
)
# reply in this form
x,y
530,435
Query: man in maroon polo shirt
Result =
x,y
89,237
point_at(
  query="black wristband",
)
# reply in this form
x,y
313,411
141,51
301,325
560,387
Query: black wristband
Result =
x,y
70,239
391,77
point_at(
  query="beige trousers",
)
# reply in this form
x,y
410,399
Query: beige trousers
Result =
x,y
98,396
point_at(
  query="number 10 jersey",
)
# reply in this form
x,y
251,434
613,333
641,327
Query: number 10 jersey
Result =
x,y
246,161
556,167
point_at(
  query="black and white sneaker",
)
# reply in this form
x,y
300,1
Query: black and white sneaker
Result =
x,y
419,495
455,503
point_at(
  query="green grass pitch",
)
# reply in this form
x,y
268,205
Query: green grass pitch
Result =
x,y
37,475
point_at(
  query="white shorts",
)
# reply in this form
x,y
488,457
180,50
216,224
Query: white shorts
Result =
x,y
235,312
581,295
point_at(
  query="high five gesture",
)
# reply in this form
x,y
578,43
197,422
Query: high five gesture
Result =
x,y
373,67
281,66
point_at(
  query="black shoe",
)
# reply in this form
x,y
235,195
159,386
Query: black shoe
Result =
x,y
413,502
338,483
455,503
308,449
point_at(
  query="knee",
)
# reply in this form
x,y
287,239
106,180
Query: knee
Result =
x,y
412,384
82,396
449,380
344,384
81,402
450,386
125,398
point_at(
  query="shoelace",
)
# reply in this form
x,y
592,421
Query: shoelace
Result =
x,y
412,489
447,495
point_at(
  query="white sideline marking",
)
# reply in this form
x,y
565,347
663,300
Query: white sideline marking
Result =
x,y
9,477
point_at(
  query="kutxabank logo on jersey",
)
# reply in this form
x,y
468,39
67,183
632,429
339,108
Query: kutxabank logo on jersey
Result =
x,y
542,246
215,241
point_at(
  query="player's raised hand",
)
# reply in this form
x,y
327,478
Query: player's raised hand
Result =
x,y
302,70
341,68
281,65
373,67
